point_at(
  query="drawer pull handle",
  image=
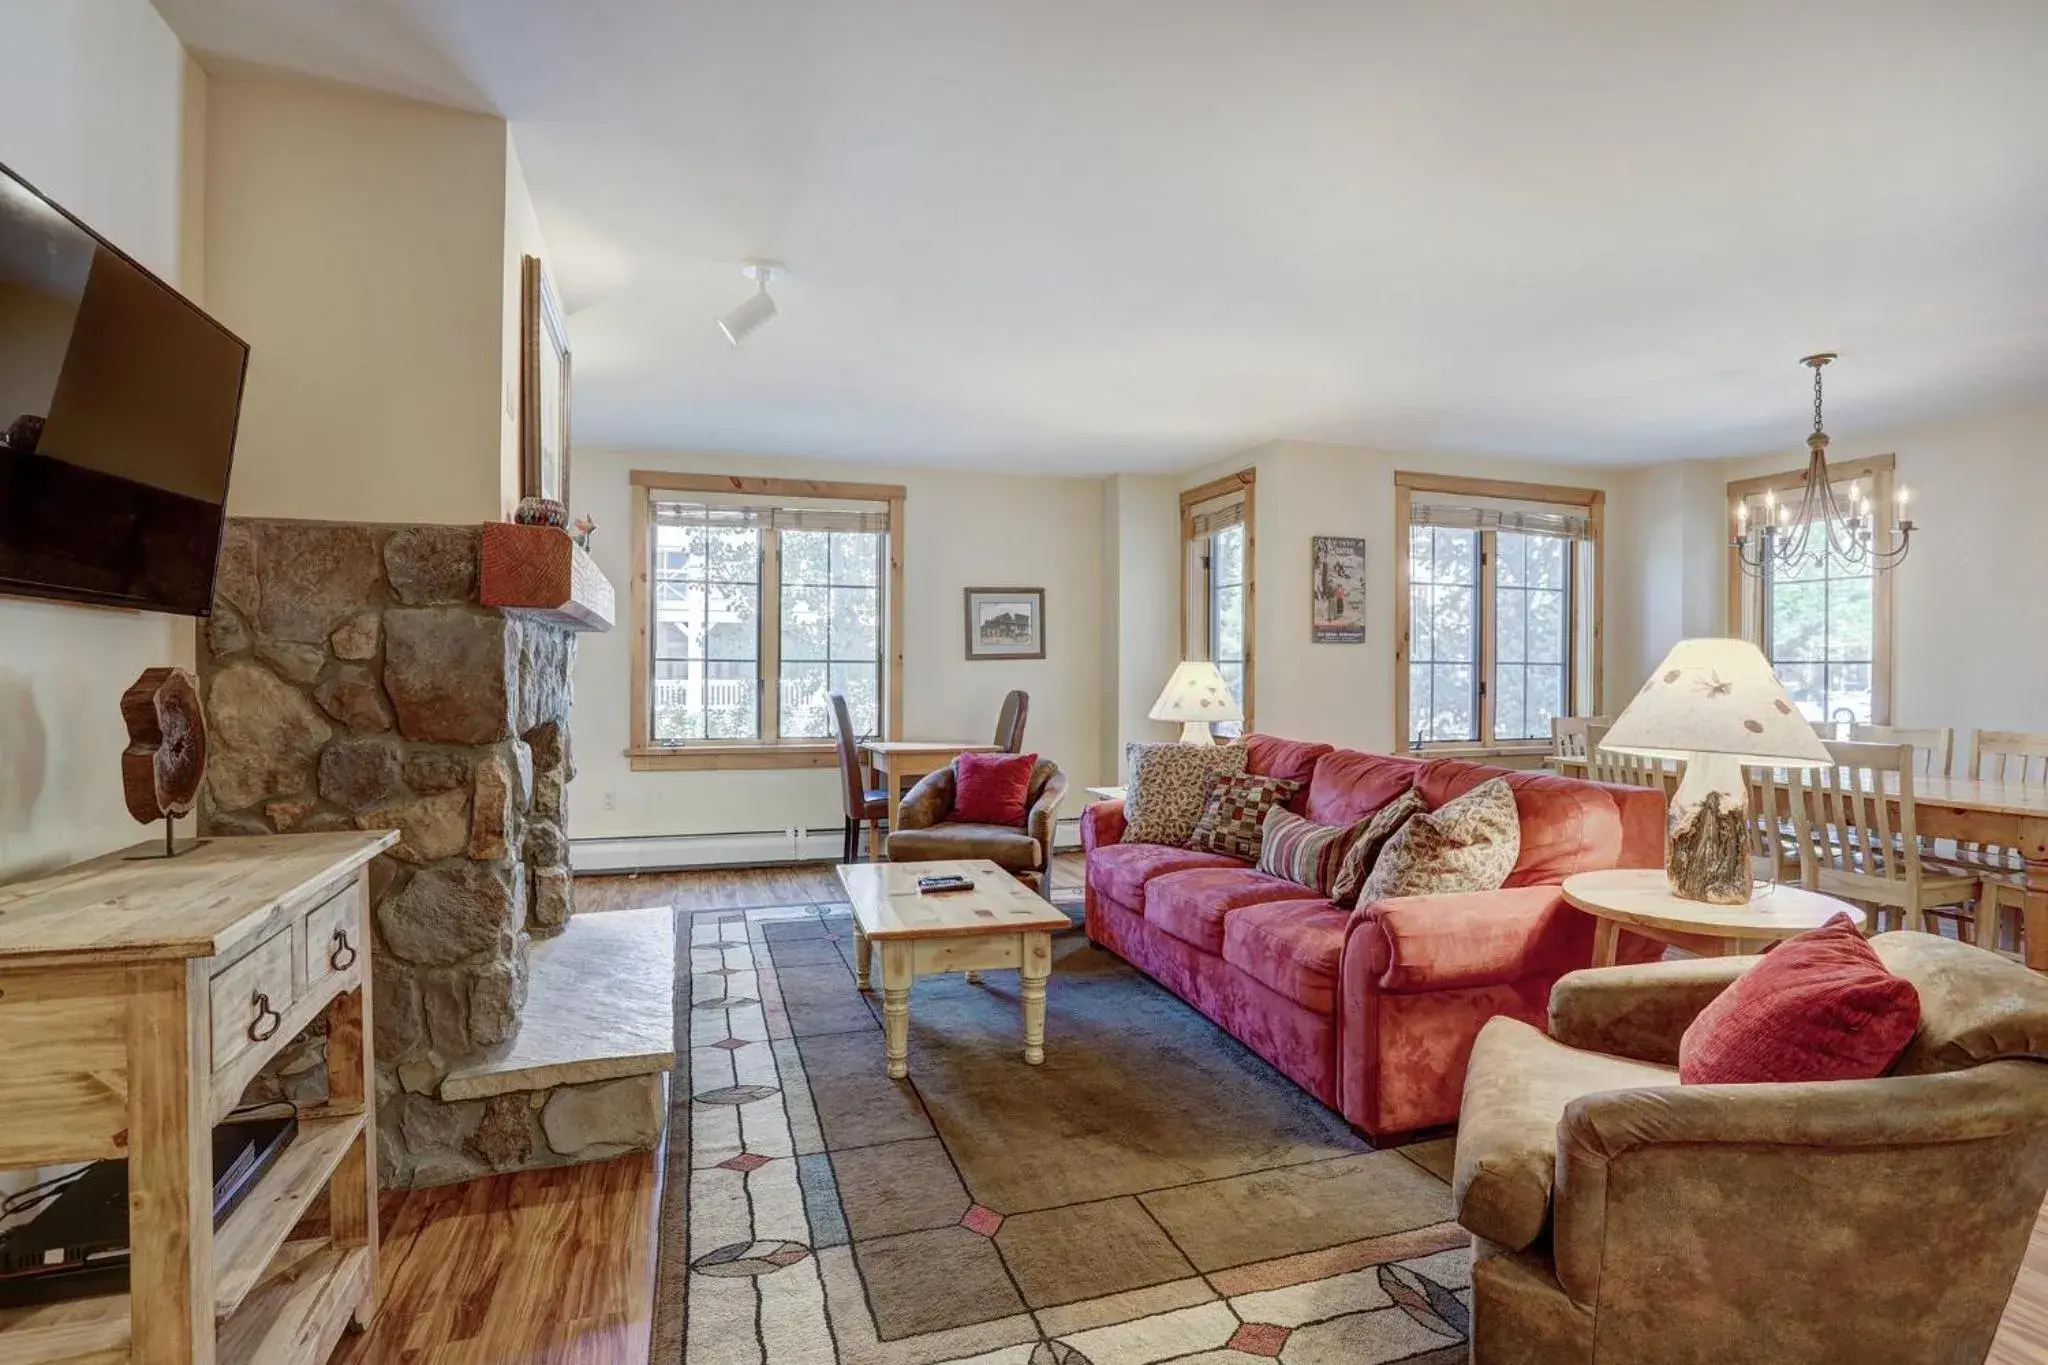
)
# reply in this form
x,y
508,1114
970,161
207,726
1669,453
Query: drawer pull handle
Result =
x,y
343,955
257,1032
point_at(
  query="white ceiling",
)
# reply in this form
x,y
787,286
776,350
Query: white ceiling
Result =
x,y
1134,234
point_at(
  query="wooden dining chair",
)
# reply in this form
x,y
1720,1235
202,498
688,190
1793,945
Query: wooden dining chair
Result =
x,y
1010,722
1933,746
1568,734
2019,759
863,804
1852,844
1773,835
1622,770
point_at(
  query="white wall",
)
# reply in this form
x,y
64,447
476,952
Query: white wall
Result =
x,y
1344,694
357,242
1141,611
963,529
1972,597
92,111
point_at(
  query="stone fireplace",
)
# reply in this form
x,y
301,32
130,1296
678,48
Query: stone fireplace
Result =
x,y
355,680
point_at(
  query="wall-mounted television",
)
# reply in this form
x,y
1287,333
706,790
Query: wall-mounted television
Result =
x,y
118,405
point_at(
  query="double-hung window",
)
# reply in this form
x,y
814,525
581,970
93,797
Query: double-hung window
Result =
x,y
1498,593
757,606
1218,609
1823,621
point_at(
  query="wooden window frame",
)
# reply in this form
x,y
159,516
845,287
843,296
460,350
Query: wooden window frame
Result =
x,y
1745,600
1593,502
727,755
1243,483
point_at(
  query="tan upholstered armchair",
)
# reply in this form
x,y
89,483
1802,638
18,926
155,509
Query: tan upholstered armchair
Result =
x,y
1620,1217
923,833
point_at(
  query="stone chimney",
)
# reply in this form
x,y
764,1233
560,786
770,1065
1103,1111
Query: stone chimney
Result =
x,y
354,680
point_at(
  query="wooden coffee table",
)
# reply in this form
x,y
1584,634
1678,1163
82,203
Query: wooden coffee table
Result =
x,y
999,924
1640,900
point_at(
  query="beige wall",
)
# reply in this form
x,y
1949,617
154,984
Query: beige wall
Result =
x,y
1141,612
93,113
1970,601
963,529
356,242
1344,694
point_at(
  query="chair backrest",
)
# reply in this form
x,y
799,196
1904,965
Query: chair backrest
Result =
x,y
1010,722
1933,745
1568,734
1851,841
1623,770
854,787
2009,756
1826,730
1771,840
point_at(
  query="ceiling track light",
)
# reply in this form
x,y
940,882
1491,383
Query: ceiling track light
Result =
x,y
743,321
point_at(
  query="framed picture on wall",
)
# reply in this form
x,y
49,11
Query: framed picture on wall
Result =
x,y
1337,590
1005,623
543,388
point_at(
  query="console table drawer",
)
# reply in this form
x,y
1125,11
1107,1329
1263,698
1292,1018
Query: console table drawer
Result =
x,y
248,1001
333,935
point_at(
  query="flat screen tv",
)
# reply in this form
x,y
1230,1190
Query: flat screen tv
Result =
x,y
118,405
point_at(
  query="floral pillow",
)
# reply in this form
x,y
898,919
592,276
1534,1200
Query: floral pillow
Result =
x,y
1469,844
1380,828
1168,783
1233,817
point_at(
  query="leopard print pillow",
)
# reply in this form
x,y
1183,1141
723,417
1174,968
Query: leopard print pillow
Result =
x,y
1469,844
1168,784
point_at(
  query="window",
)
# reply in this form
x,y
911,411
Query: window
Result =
x,y
761,598
1823,622
1220,607
1498,591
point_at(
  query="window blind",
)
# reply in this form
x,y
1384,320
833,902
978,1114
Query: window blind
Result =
x,y
1565,525
1213,517
727,516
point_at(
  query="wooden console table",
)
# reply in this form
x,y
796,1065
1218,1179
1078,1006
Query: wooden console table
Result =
x,y
138,999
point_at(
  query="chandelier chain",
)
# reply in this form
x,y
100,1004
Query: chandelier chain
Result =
x,y
1816,399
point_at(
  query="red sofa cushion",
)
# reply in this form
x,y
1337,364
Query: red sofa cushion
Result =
x,y
992,789
1121,871
1349,785
1293,760
1567,825
1291,947
1192,905
1819,1007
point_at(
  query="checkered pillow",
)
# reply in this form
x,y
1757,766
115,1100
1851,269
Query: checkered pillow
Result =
x,y
1233,816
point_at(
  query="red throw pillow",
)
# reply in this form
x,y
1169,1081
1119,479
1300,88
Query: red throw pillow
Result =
x,y
992,789
1819,1007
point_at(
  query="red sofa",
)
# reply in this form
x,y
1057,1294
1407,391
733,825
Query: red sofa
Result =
x,y
1374,1010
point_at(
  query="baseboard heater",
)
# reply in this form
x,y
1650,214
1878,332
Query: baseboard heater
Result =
x,y
660,852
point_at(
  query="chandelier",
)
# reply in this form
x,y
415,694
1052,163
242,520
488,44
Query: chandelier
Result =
x,y
1786,532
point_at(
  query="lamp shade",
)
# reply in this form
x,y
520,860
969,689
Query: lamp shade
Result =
x,y
1716,696
1196,692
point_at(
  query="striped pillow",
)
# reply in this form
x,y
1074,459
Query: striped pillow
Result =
x,y
1304,852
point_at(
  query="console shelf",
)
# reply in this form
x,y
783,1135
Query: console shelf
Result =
x,y
137,999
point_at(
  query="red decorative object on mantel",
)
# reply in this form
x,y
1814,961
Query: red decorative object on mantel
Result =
x,y
538,571
165,760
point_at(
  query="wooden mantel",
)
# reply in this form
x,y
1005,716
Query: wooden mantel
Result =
x,y
539,572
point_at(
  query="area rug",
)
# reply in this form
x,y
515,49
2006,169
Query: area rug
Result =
x,y
1153,1192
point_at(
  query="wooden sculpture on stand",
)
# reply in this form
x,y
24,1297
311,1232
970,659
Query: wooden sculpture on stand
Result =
x,y
166,756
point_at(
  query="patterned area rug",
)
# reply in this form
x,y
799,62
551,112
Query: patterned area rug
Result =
x,y
1153,1192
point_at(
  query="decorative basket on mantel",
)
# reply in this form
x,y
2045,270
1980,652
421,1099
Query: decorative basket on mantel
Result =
x,y
539,572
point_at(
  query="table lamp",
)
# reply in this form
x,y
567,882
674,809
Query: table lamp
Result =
x,y
1197,697
1716,705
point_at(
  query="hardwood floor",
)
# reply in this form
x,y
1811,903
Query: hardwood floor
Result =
x,y
557,1267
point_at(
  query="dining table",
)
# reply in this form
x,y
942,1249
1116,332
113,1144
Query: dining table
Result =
x,y
1969,810
892,762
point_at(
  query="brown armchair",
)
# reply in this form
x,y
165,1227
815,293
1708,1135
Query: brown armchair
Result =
x,y
1619,1216
924,834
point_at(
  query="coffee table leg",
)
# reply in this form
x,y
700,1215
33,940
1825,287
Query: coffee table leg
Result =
x,y
1606,942
896,1008
1035,968
863,955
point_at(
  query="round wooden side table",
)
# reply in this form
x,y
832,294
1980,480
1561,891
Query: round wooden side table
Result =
x,y
1640,899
